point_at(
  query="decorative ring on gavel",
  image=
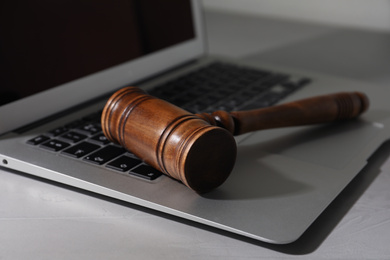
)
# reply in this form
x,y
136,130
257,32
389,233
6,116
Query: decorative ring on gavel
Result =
x,y
200,150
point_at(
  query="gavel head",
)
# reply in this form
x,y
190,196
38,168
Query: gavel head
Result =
x,y
170,139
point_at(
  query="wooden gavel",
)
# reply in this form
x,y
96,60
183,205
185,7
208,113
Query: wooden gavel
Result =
x,y
199,150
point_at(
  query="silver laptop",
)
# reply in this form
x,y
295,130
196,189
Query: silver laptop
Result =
x,y
61,61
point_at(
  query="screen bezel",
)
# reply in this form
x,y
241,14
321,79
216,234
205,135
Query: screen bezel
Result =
x,y
25,111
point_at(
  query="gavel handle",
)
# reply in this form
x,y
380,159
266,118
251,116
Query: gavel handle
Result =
x,y
320,109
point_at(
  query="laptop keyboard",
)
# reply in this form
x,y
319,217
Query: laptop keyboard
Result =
x,y
218,86
227,87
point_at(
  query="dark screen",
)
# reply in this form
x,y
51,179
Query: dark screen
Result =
x,y
45,43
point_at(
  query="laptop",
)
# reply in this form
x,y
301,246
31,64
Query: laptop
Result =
x,y
60,62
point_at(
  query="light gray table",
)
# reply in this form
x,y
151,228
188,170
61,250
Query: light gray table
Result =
x,y
44,220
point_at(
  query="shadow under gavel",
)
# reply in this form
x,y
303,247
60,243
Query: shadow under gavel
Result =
x,y
199,150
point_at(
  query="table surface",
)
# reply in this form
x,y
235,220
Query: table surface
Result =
x,y
43,220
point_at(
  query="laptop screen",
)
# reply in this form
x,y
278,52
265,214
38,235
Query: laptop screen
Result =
x,y
48,43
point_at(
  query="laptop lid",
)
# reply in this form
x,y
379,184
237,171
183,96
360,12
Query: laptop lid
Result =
x,y
63,58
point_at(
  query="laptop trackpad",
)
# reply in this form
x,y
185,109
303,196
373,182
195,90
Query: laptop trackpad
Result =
x,y
332,145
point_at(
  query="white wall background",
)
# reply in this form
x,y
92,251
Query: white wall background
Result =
x,y
368,14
